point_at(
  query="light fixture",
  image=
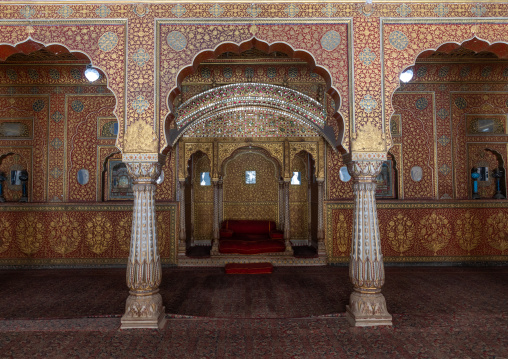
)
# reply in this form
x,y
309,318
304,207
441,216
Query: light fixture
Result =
x,y
91,74
406,76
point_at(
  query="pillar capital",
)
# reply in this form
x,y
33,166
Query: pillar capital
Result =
x,y
143,168
364,166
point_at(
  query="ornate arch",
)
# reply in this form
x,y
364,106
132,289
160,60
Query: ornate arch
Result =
x,y
404,40
279,99
253,42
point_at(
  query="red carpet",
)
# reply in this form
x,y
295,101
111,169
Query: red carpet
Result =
x,y
249,268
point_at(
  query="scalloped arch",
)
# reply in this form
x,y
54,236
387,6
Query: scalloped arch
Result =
x,y
268,48
500,49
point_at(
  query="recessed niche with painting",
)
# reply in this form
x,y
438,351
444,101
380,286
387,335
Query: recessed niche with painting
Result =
x,y
385,187
119,181
486,124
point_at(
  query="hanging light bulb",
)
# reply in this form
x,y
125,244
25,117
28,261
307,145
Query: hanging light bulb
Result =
x,y
406,76
91,74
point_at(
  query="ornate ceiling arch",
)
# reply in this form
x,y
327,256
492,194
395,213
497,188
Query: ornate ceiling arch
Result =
x,y
279,101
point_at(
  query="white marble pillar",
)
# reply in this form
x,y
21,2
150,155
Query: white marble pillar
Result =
x,y
320,224
287,221
367,306
215,239
144,307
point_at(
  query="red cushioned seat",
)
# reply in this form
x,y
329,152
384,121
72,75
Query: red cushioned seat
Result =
x,y
249,268
250,237
235,246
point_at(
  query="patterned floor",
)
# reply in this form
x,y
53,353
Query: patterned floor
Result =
x,y
438,312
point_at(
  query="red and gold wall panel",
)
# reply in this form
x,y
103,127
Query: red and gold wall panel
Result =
x,y
77,234
426,232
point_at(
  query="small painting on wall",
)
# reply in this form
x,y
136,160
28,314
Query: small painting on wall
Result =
x,y
120,183
385,186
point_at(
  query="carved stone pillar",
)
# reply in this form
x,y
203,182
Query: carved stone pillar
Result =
x,y
215,239
282,207
287,221
367,306
183,234
320,224
144,307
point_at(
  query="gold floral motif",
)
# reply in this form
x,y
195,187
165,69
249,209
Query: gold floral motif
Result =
x,y
435,233
29,234
123,233
469,230
401,233
498,231
5,234
343,232
161,237
98,234
63,234
141,138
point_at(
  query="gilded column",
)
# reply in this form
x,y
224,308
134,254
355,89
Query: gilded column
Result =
x,y
183,234
367,306
215,239
287,222
309,212
221,202
144,307
320,224
192,219
282,207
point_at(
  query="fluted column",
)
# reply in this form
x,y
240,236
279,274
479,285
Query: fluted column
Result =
x,y
367,306
144,307
182,232
287,221
215,239
320,224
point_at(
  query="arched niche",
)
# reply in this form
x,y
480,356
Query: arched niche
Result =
x,y
12,164
251,185
32,51
474,37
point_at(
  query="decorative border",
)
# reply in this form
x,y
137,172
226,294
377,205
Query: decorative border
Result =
x,y
51,207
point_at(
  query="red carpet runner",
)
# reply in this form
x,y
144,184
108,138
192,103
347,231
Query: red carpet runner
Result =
x,y
249,268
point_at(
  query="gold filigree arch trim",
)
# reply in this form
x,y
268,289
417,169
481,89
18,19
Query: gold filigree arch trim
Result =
x,y
192,148
297,147
256,151
227,150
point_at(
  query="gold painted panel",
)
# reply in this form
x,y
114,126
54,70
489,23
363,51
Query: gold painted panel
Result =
x,y
298,200
250,201
203,201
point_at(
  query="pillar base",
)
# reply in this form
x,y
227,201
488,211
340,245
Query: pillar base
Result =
x,y
321,248
215,247
144,312
367,310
